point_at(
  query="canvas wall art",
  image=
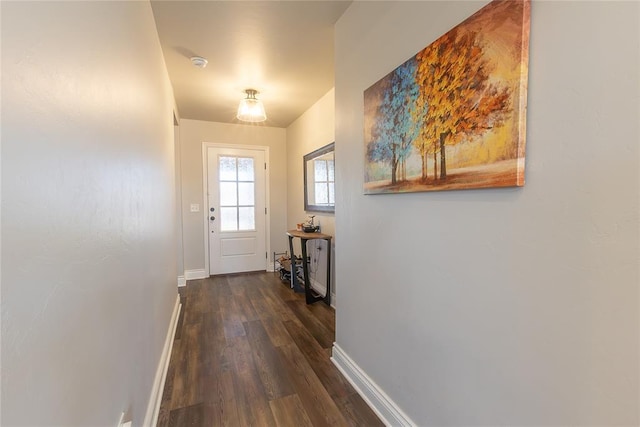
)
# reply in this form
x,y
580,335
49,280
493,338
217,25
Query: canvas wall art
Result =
x,y
454,115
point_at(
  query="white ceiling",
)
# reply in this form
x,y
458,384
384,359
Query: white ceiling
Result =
x,y
284,49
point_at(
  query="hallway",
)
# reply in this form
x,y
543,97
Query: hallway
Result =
x,y
249,351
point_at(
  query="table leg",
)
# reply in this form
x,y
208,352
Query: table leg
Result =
x,y
327,297
305,269
294,275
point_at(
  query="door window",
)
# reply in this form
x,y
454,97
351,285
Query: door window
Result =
x,y
237,193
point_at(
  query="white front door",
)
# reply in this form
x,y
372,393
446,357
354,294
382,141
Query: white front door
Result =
x,y
236,191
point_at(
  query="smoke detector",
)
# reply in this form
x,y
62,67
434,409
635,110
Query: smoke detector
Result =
x,y
199,61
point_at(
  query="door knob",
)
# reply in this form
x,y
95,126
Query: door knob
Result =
x,y
212,218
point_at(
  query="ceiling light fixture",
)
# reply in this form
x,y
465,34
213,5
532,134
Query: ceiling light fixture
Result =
x,y
251,108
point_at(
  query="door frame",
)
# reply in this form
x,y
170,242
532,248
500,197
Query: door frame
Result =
x,y
205,197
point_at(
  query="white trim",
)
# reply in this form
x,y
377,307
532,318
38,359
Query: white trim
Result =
x,y
121,421
317,286
153,408
182,281
205,196
195,274
385,408
322,289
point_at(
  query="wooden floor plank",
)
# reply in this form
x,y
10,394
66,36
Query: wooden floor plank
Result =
x,y
269,364
253,406
325,315
250,352
322,410
288,411
319,331
337,386
196,302
220,395
260,305
186,386
277,305
214,339
190,315
189,416
284,291
278,334
244,304
233,328
357,413
231,309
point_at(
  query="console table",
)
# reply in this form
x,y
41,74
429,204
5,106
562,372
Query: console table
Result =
x,y
310,295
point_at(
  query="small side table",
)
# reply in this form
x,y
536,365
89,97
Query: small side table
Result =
x,y
304,237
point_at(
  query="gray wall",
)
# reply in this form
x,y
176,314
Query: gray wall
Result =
x,y
502,306
88,211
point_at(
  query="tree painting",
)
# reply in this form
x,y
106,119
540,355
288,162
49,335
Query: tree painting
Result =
x,y
397,129
453,116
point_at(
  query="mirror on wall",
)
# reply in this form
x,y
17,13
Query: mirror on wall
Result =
x,y
319,180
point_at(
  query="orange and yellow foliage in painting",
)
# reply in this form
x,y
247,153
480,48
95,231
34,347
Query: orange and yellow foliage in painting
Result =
x,y
454,115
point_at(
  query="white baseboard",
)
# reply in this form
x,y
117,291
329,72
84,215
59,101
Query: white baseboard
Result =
x,y
322,289
385,408
153,408
318,287
195,274
182,281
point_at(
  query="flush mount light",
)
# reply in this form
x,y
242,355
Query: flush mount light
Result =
x,y
199,61
251,108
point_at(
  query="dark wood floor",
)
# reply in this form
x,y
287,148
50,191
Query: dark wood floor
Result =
x,y
249,352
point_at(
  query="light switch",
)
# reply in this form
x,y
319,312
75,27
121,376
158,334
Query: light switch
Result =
x,y
195,207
